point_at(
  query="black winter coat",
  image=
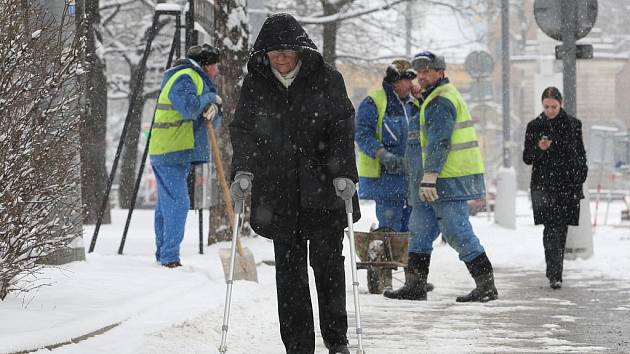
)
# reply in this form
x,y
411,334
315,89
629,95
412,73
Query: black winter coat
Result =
x,y
557,173
295,141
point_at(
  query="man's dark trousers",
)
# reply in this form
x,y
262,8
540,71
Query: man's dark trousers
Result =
x,y
294,300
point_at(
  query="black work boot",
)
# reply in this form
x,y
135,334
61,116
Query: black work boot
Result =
x,y
429,287
172,264
481,270
416,273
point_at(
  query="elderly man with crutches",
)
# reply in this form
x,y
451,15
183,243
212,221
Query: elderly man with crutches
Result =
x,y
293,140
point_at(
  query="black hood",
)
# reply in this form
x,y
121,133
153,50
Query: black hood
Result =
x,y
283,31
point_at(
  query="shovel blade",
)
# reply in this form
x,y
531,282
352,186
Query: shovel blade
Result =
x,y
244,265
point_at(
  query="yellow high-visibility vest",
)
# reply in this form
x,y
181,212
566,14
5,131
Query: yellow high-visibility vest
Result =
x,y
170,132
367,166
464,156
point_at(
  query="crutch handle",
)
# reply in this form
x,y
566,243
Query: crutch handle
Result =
x,y
243,183
345,189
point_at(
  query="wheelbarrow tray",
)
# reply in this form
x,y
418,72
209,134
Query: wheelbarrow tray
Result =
x,y
395,245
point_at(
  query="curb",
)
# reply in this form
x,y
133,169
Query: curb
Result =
x,y
73,340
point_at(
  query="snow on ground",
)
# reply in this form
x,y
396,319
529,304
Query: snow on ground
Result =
x,y
159,310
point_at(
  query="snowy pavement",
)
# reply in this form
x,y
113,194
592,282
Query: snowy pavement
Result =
x,y
158,310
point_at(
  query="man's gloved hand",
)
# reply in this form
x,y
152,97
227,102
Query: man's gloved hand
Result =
x,y
344,187
219,102
392,164
210,112
242,186
428,187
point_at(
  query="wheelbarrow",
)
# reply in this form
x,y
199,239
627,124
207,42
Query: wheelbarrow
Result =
x,y
380,253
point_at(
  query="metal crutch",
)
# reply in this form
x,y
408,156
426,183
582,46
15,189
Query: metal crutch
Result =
x,y
239,208
342,185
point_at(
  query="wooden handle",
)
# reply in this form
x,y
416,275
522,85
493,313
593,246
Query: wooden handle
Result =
x,y
227,197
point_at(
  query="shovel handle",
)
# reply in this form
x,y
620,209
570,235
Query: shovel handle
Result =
x,y
227,197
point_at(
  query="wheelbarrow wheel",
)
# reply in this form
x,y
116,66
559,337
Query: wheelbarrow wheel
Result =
x,y
378,280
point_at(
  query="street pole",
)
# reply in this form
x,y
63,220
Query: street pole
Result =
x,y
505,203
505,78
569,72
579,238
408,25
190,34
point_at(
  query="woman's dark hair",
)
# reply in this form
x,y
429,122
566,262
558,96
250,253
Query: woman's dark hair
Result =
x,y
552,92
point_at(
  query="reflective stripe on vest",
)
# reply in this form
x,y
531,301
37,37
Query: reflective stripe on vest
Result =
x,y
367,166
170,132
464,156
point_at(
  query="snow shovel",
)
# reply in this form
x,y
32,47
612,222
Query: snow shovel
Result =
x,y
342,185
243,264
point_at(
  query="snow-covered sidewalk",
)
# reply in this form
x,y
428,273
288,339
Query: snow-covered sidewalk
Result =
x,y
158,310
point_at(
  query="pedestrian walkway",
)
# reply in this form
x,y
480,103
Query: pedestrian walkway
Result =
x,y
589,315
162,311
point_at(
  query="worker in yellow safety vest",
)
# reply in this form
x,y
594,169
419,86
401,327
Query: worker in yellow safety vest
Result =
x,y
452,173
179,139
382,121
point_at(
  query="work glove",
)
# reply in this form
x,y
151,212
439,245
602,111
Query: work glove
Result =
x,y
392,164
210,112
344,188
242,186
428,187
218,100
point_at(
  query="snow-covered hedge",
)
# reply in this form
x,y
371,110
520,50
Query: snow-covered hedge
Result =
x,y
39,120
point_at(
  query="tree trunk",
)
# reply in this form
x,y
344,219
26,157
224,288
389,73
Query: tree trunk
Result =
x,y
329,50
129,156
330,43
94,121
233,42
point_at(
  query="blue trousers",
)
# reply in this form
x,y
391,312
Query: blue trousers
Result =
x,y
393,214
171,210
450,218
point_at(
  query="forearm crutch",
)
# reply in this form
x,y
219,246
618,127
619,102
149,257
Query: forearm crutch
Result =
x,y
342,185
239,209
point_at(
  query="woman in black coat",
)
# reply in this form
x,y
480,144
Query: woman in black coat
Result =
x,y
292,135
554,148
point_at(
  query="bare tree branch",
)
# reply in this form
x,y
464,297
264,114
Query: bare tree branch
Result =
x,y
118,4
38,143
339,17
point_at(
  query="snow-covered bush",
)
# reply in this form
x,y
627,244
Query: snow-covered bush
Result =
x,y
39,120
